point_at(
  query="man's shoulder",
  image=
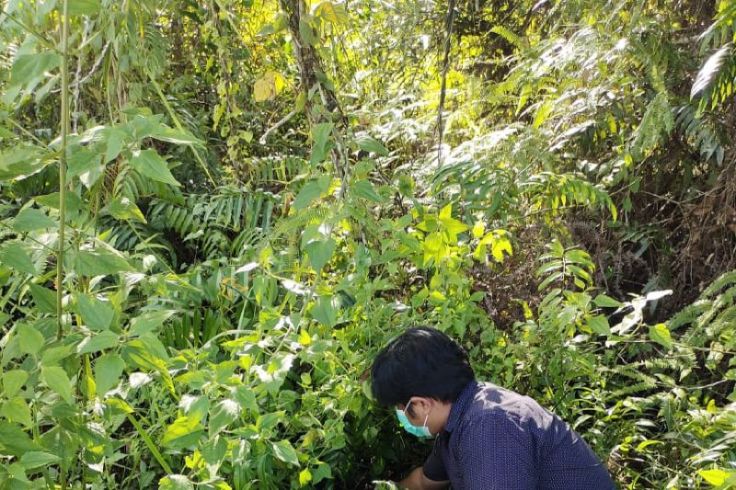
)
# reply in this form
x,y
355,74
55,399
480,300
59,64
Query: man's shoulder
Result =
x,y
494,403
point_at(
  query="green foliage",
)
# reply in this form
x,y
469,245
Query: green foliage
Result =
x,y
237,246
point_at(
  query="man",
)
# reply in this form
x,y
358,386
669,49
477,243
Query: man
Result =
x,y
487,437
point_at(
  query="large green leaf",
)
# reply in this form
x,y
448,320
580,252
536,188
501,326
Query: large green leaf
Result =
x,y
17,410
98,342
30,340
108,369
184,432
36,459
44,298
150,164
222,415
57,379
96,314
311,191
13,381
14,255
28,71
320,142
320,252
31,219
284,451
14,441
99,262
21,161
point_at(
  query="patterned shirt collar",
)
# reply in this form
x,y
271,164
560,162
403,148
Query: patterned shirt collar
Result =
x,y
461,404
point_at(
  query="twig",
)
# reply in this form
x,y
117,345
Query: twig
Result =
x,y
281,122
443,87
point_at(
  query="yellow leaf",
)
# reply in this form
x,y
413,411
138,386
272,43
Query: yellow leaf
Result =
x,y
268,86
331,12
304,338
714,477
479,229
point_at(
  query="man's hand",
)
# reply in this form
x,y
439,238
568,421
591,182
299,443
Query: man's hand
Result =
x,y
417,481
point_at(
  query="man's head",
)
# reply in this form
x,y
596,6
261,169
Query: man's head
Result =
x,y
423,369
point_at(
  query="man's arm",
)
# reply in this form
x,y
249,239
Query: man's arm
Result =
x,y
418,481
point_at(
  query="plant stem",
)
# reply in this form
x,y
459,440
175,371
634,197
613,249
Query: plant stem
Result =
x,y
62,165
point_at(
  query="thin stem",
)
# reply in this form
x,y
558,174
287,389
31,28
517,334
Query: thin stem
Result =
x,y
62,166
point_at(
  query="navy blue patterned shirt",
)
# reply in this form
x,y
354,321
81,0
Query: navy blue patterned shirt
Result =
x,y
496,439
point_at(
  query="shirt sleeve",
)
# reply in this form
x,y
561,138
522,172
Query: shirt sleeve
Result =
x,y
496,453
434,468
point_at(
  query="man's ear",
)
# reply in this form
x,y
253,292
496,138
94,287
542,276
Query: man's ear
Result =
x,y
420,406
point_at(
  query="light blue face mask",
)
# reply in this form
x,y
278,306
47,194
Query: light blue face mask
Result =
x,y
420,432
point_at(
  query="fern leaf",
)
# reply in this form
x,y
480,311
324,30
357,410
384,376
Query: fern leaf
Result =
x,y
711,71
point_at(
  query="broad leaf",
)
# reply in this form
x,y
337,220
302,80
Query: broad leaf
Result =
x,y
98,342
184,432
175,482
44,298
15,256
320,252
284,451
31,219
30,340
150,164
96,314
57,379
108,370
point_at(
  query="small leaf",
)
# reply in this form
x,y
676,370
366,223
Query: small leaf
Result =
x,y
372,145
603,301
661,334
149,163
96,343
599,325
21,162
123,208
100,262
305,476
175,482
284,451
364,189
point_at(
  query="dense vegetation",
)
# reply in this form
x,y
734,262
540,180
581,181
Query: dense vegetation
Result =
x,y
214,213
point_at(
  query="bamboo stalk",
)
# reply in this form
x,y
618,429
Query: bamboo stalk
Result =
x,y
62,166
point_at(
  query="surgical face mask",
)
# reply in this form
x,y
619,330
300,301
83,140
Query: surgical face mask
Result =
x,y
420,432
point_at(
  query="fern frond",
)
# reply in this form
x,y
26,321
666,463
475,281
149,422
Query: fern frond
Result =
x,y
700,134
715,80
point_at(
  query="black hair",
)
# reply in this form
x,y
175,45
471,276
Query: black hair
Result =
x,y
420,362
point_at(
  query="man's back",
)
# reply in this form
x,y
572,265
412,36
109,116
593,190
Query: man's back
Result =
x,y
498,439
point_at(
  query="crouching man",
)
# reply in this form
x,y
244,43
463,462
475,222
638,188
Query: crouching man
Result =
x,y
486,437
